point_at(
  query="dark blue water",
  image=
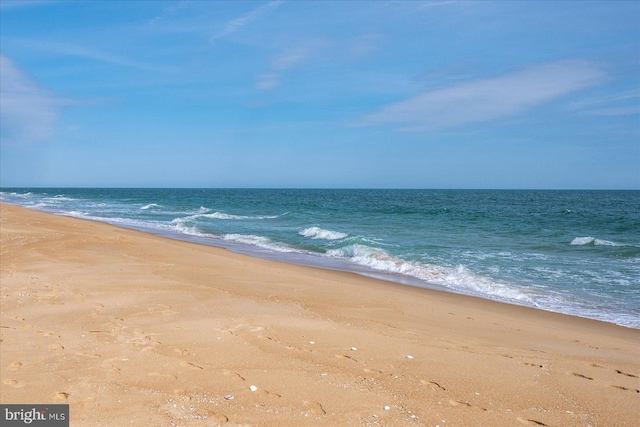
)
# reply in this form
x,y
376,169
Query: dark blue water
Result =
x,y
574,252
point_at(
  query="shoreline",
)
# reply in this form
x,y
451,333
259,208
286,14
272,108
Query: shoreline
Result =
x,y
315,261
198,322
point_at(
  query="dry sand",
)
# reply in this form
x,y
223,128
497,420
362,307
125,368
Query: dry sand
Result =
x,y
133,329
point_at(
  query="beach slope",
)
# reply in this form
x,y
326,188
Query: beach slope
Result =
x,y
130,328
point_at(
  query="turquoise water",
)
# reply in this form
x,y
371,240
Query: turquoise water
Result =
x,y
574,252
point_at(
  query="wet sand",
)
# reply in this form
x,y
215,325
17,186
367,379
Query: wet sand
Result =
x,y
129,328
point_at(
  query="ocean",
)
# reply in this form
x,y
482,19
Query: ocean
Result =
x,y
572,252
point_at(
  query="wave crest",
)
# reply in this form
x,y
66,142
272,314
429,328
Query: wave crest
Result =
x,y
581,241
458,278
319,233
259,241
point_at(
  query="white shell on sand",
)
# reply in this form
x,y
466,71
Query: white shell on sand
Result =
x,y
409,357
312,342
253,388
353,348
386,408
229,397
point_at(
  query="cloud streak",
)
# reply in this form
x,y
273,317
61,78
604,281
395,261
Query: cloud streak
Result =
x,y
238,23
28,112
487,99
68,49
282,63
620,104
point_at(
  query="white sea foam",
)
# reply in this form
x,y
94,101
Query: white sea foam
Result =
x,y
224,216
124,222
150,206
458,278
581,241
259,241
319,233
181,225
78,214
21,195
188,230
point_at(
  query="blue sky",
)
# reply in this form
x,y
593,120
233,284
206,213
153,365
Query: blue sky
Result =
x,y
400,94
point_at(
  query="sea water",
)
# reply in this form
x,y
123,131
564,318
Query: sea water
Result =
x,y
573,252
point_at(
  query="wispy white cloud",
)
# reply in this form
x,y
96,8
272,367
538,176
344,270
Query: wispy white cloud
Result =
x,y
70,49
267,81
281,63
615,111
28,112
436,3
289,59
313,51
487,99
617,104
236,24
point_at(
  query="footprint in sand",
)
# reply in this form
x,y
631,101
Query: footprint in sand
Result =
x,y
231,373
13,383
89,354
61,396
55,334
271,394
465,405
530,422
313,408
264,337
211,417
343,356
191,365
634,390
181,351
625,373
581,376
594,365
293,347
159,374
535,365
56,347
432,383
14,366
141,338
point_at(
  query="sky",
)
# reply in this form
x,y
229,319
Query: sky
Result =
x,y
324,94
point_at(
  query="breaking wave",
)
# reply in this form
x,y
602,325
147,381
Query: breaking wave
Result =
x,y
457,278
319,233
259,241
581,241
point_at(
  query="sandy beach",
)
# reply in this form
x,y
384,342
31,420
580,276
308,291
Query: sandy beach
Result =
x,y
130,328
